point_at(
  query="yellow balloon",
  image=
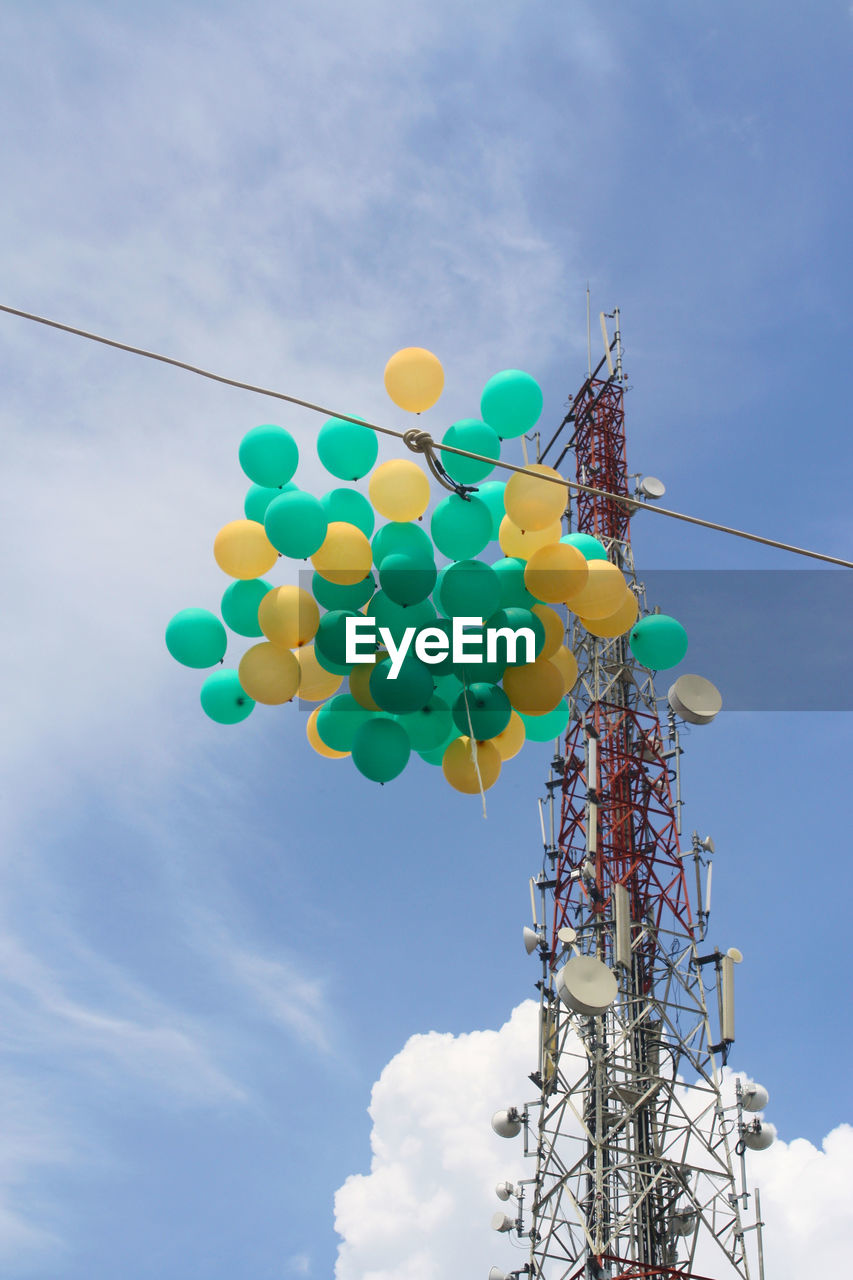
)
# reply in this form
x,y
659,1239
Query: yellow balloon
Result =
x,y
317,742
535,688
510,742
567,665
555,629
459,769
414,379
315,682
615,624
269,673
399,490
243,550
359,685
533,503
602,593
555,572
289,616
516,542
345,556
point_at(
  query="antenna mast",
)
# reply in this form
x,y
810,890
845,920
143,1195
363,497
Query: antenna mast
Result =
x,y
632,1143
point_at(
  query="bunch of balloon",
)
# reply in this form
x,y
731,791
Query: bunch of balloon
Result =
x,y
486,549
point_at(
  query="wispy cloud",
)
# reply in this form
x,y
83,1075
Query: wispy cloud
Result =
x,y
146,1043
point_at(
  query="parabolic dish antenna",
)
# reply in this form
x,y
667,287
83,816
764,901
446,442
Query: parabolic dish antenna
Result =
x,y
695,699
652,487
567,934
586,985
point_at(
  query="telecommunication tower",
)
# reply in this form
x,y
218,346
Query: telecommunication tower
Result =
x,y
639,1167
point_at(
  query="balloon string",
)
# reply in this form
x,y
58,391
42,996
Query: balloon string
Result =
x,y
473,742
426,441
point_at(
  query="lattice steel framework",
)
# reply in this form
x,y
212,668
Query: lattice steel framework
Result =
x,y
634,1174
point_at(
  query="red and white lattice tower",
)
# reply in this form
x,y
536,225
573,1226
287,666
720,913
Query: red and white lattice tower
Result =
x,y
635,1147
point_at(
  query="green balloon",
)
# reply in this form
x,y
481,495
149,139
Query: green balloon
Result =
x,y
401,538
475,437
489,710
380,749
461,527
589,547
350,507
406,580
240,604
429,727
336,668
224,699
492,493
448,687
436,595
444,665
330,641
196,638
514,593
471,589
259,498
435,757
397,617
339,719
473,672
511,403
269,455
658,641
334,595
515,618
551,725
409,690
347,449
296,524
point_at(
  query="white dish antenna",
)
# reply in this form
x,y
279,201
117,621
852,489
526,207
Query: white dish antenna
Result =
x,y
695,699
651,487
586,985
684,1222
506,1124
755,1097
531,940
567,935
504,1190
502,1222
759,1135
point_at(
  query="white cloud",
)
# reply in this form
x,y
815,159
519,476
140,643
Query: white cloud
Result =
x,y
275,985
147,1044
32,1140
423,1210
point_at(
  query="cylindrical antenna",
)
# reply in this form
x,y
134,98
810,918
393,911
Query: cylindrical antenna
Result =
x,y
622,921
617,337
606,342
592,789
728,1010
542,824
708,891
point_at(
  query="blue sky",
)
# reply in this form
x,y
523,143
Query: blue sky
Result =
x,y
212,941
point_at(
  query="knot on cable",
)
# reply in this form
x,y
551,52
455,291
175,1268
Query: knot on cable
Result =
x,y
418,441
422,442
